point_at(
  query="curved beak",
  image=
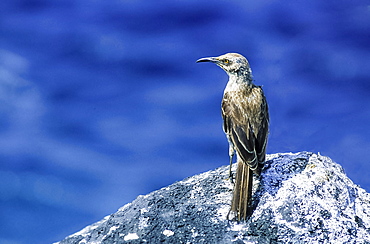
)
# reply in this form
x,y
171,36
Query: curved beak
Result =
x,y
210,59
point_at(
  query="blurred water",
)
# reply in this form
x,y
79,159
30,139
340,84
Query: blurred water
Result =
x,y
102,100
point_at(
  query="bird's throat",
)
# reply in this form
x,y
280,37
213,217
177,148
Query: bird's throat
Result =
x,y
236,81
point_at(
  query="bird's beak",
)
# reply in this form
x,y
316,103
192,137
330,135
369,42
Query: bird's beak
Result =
x,y
210,59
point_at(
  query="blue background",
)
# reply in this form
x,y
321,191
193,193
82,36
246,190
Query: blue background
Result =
x,y
101,101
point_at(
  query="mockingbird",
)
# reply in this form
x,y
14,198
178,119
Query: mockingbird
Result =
x,y
245,123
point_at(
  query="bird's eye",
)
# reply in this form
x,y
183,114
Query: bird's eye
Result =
x,y
226,61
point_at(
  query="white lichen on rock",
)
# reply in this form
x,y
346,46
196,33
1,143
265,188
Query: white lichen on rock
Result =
x,y
168,233
131,236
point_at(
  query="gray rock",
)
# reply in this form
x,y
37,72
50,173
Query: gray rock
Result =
x,y
299,198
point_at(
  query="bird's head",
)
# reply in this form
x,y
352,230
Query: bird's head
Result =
x,y
232,63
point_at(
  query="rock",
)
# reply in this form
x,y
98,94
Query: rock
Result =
x,y
299,198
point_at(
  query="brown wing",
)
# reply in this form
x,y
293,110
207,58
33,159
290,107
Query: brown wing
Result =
x,y
261,140
245,116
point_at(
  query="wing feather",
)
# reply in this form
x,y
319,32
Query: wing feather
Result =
x,y
261,141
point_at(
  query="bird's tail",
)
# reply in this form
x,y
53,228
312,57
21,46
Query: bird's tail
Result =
x,y
242,193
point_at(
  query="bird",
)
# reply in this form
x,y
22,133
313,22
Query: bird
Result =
x,y
245,117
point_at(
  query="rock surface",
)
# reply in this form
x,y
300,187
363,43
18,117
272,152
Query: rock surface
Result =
x,y
299,198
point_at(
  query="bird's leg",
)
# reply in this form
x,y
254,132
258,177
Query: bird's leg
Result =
x,y
231,155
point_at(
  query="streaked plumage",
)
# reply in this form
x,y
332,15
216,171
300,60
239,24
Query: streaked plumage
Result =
x,y
246,121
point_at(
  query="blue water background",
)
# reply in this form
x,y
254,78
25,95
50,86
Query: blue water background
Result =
x,y
101,101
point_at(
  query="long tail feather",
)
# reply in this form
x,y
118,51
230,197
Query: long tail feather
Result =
x,y
242,192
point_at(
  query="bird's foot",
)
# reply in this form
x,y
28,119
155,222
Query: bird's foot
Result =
x,y
230,178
